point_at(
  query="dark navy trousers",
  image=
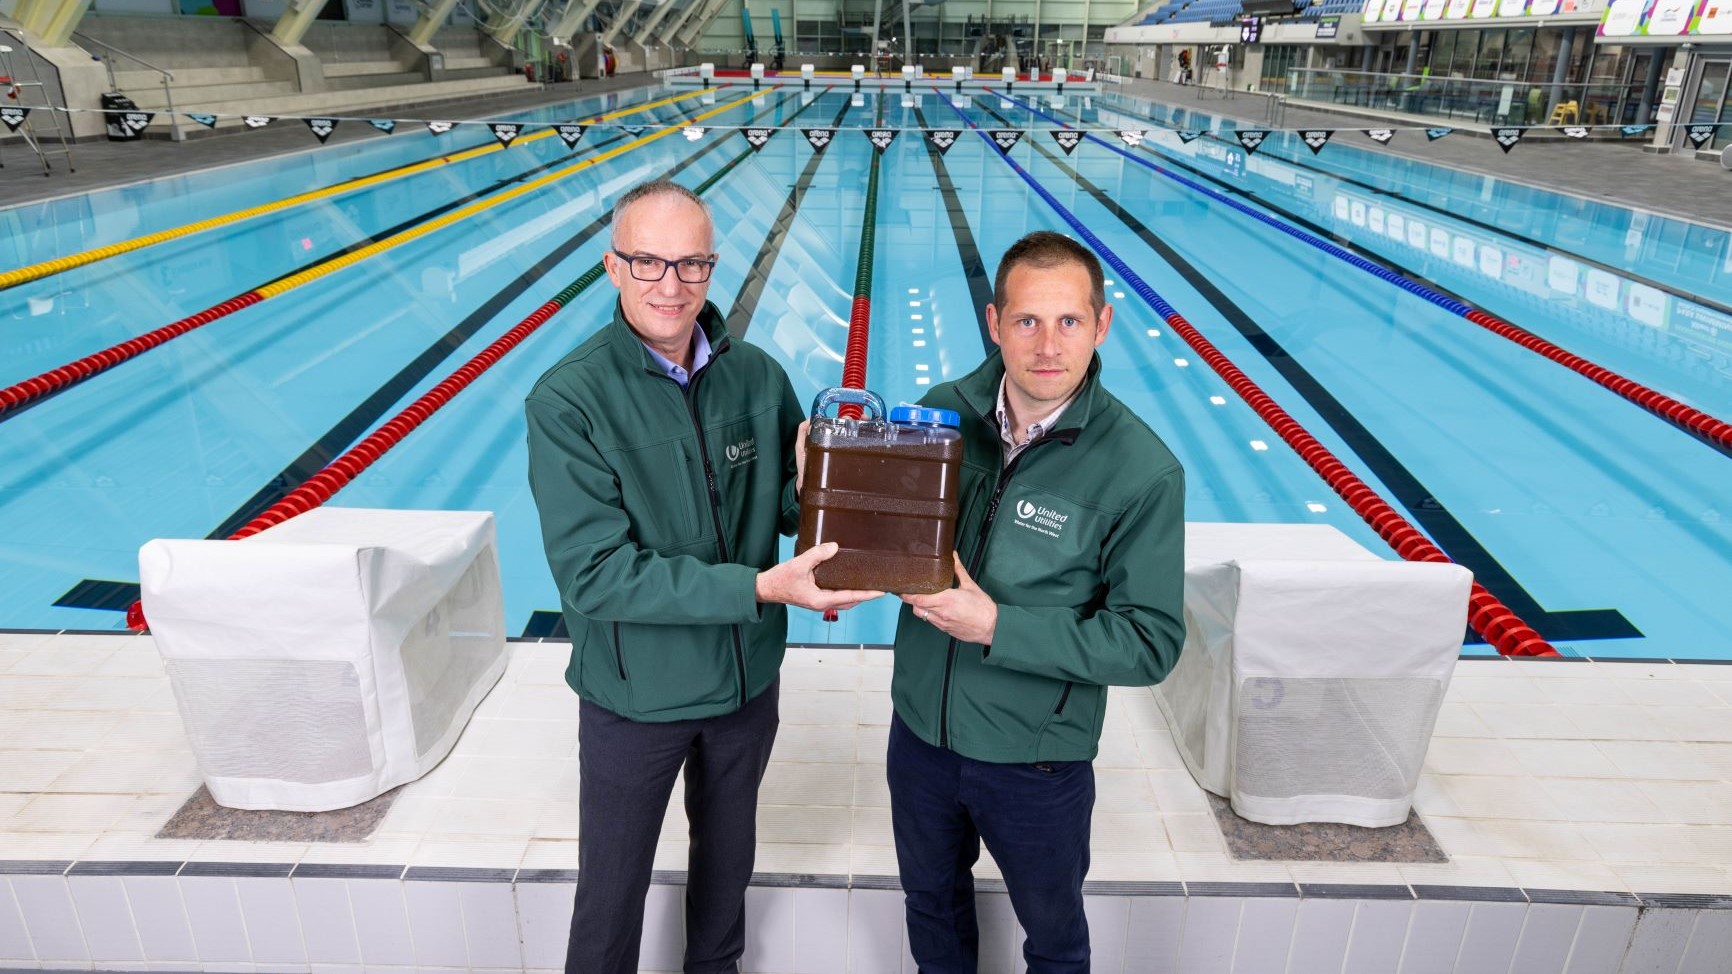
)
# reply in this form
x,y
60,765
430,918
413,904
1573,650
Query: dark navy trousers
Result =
x,y
1034,819
627,770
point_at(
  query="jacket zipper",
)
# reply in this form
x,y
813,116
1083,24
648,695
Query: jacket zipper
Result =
x,y
691,397
974,563
618,652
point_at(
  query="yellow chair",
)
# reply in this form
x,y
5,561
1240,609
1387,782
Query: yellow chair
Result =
x,y
1566,113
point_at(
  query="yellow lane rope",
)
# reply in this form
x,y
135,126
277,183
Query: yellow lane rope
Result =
x,y
59,264
314,273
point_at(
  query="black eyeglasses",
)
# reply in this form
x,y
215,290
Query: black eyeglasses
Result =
x,y
690,270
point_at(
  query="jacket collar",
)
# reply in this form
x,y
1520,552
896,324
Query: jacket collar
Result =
x,y
629,350
979,391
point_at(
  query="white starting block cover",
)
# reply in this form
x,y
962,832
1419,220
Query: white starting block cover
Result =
x,y
1313,671
331,658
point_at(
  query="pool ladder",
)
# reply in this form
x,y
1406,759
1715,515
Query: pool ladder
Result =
x,y
18,91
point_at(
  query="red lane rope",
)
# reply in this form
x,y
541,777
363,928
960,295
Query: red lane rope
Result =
x,y
1658,403
854,358
337,474
1486,613
72,373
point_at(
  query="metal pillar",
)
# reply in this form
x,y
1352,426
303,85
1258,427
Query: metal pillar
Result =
x,y
877,16
431,19
680,21
653,22
293,24
1412,53
622,16
1651,85
696,27
1561,73
907,37
51,21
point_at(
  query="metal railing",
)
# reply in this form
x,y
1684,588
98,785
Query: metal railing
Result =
x,y
1483,100
108,53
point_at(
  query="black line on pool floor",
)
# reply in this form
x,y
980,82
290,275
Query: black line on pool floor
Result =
x,y
1536,243
1410,492
973,266
111,595
758,272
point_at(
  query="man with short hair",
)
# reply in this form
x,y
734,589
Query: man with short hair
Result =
x,y
1069,561
661,459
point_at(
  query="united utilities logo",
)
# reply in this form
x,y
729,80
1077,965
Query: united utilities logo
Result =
x,y
1045,520
742,453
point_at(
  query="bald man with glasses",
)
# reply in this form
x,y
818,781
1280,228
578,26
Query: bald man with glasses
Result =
x,y
661,457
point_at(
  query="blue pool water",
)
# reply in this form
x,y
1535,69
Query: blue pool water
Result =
x,y
1601,524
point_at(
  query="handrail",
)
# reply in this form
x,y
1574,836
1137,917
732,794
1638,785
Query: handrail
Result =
x,y
167,76
125,54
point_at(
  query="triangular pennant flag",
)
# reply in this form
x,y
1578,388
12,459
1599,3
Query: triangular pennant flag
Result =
x,y
1698,135
321,127
136,122
1187,136
1067,139
208,121
881,138
385,125
569,133
694,132
1576,131
758,138
505,132
1316,139
633,130
943,139
1629,130
1437,133
440,128
1134,137
256,121
1380,136
1005,139
818,139
1507,137
1251,138
13,116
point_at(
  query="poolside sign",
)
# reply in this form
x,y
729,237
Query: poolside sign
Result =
x,y
943,139
1316,139
1699,135
321,127
569,133
1328,27
13,116
1251,138
136,122
1067,139
1507,137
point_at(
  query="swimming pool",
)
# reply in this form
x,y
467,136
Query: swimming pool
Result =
x,y
1595,520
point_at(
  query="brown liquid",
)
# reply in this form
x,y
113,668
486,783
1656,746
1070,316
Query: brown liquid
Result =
x,y
890,506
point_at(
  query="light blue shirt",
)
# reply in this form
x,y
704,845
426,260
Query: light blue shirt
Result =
x,y
700,358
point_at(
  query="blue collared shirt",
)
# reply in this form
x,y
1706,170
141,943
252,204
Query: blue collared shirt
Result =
x,y
700,358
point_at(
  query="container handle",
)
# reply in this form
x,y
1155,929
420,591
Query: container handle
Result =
x,y
866,399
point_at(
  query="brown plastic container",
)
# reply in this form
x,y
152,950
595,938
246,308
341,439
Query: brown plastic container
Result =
x,y
885,491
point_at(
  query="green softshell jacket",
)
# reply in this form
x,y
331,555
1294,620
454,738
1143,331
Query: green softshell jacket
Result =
x,y
659,506
1081,543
